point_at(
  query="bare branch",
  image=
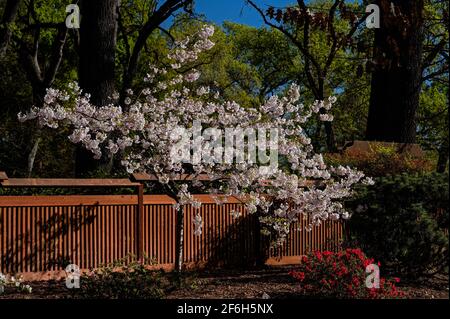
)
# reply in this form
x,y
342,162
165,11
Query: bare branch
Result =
x,y
167,33
287,34
56,57
158,17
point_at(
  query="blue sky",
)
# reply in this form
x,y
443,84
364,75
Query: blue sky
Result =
x,y
237,11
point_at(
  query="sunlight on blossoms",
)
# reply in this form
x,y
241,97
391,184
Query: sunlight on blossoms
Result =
x,y
139,132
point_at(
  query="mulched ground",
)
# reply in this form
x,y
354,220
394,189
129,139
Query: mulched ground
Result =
x,y
267,283
276,283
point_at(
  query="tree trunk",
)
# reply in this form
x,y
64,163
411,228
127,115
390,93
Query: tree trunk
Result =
x,y
32,155
179,239
9,15
98,34
442,159
329,131
396,76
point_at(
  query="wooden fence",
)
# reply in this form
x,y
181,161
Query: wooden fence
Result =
x,y
46,233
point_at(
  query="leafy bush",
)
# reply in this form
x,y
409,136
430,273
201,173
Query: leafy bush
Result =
x,y
381,161
403,221
121,280
341,275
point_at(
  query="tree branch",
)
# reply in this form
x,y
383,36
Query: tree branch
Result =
x,y
286,33
56,57
433,53
158,17
9,15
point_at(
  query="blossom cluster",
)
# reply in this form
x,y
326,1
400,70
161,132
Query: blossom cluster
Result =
x,y
141,133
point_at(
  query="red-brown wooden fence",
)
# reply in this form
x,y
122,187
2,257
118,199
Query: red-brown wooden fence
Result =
x,y
45,233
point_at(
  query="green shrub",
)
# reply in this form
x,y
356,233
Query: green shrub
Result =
x,y
402,220
123,280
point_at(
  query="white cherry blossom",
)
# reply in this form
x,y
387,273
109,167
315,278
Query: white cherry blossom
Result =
x,y
140,132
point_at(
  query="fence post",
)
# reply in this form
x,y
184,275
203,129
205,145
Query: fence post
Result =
x,y
141,178
140,224
3,177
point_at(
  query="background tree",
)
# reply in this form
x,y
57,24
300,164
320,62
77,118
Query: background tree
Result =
x,y
97,51
36,43
397,72
323,32
432,115
98,37
298,23
149,20
246,65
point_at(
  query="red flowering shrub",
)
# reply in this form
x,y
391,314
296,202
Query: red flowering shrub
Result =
x,y
381,161
341,275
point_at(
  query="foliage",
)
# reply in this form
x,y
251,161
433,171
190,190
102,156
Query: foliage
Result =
x,y
13,283
123,280
432,118
341,275
17,90
328,37
270,57
432,114
381,161
403,221
246,65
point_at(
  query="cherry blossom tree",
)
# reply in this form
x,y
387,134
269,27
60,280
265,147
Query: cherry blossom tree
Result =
x,y
148,132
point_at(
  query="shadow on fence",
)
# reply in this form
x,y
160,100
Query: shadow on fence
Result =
x,y
32,237
242,246
46,234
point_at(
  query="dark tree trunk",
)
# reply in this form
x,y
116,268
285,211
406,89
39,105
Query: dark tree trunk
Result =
x,y
9,15
396,76
442,159
98,33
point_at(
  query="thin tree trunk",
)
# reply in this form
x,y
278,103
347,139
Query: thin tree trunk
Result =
x,y
331,141
9,15
179,240
442,159
32,155
329,131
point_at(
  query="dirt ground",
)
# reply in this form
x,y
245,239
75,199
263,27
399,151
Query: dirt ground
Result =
x,y
267,283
